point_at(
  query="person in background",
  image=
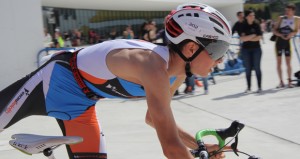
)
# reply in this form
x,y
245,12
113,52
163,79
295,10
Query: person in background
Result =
x,y
143,30
151,30
236,29
58,39
161,37
205,85
92,36
237,25
47,39
77,34
285,28
113,34
190,85
193,81
263,29
251,49
128,33
67,39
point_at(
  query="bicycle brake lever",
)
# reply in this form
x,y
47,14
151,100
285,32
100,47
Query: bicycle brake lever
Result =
x,y
231,131
234,145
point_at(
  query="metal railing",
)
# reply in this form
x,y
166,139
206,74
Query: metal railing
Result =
x,y
47,50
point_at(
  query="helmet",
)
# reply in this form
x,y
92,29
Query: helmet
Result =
x,y
201,24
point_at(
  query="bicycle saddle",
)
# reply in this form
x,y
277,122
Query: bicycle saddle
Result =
x,y
33,144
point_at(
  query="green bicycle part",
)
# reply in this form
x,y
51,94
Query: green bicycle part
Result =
x,y
202,133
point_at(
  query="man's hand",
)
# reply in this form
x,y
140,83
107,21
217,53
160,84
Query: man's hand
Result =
x,y
290,36
212,148
284,37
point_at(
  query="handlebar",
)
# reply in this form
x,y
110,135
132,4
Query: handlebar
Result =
x,y
221,135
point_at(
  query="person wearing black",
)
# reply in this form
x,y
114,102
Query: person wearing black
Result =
x,y
238,25
251,50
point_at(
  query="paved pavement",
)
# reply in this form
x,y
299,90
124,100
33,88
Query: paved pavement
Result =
x,y
272,118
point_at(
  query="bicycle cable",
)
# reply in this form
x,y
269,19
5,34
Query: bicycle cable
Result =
x,y
220,149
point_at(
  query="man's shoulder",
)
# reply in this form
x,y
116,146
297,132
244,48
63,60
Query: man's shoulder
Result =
x,y
237,23
282,17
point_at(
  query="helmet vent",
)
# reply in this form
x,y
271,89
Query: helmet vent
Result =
x,y
228,29
189,14
219,31
196,15
173,28
180,15
215,21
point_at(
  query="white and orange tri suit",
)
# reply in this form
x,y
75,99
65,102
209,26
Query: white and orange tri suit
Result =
x,y
52,90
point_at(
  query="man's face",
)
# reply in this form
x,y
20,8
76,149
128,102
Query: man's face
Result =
x,y
251,17
289,12
203,64
241,16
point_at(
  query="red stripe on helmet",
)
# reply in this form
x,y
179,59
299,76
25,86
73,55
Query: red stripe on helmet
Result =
x,y
222,21
173,28
176,26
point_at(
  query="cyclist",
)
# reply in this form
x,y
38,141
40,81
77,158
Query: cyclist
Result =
x,y
68,86
285,28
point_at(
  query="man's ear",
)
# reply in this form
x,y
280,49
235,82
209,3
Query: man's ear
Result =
x,y
190,48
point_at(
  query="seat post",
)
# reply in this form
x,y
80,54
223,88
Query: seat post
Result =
x,y
48,152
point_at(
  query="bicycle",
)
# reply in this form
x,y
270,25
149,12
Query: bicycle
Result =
x,y
34,144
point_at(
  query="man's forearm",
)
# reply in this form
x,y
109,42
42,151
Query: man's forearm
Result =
x,y
247,37
187,139
256,38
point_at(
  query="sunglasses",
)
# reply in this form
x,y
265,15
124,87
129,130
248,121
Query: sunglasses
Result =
x,y
215,48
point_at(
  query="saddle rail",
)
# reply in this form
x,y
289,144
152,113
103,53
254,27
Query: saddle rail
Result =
x,y
34,144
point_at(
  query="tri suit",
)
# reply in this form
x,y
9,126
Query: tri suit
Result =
x,y
52,90
286,26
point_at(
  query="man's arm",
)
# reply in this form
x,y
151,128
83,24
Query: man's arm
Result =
x,y
276,26
234,28
187,138
190,141
295,32
156,84
176,84
247,37
256,38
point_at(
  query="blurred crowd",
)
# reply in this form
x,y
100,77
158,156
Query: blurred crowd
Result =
x,y
148,31
247,28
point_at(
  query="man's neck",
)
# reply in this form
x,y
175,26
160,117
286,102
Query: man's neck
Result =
x,y
290,16
176,65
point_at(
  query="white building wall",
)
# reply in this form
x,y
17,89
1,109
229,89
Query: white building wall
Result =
x,y
21,38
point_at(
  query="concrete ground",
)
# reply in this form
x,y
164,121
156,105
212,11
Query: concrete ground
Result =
x,y
272,118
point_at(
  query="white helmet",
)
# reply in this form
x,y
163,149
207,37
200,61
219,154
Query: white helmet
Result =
x,y
201,24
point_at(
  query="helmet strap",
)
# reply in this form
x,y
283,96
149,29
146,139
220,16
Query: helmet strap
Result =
x,y
187,60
